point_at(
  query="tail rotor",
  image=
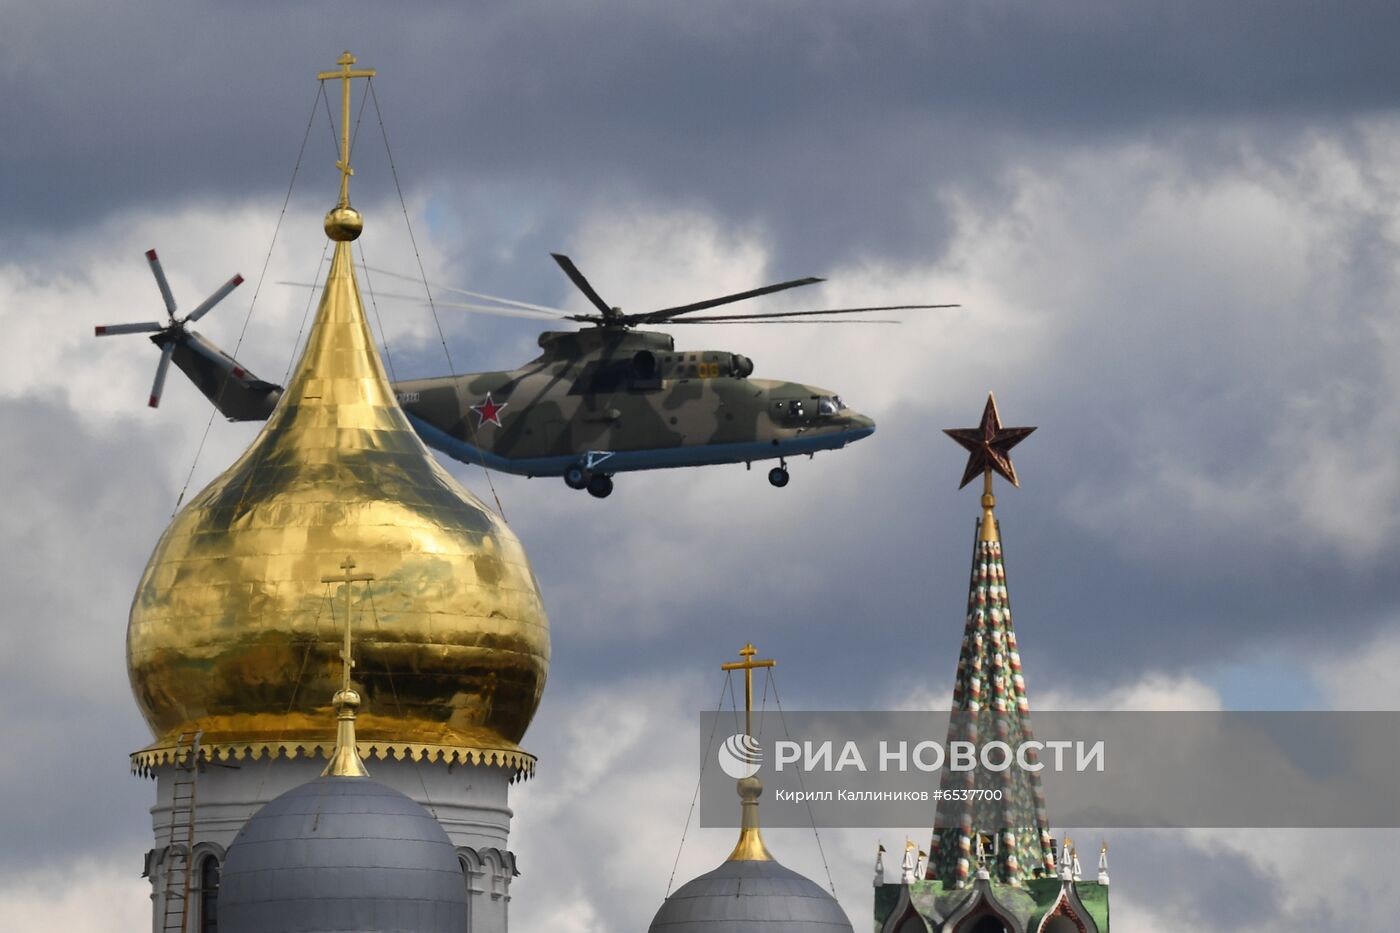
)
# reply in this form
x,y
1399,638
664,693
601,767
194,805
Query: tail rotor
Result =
x,y
167,335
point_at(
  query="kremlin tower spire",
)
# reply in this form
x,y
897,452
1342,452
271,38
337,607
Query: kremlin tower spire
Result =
x,y
991,866
1010,841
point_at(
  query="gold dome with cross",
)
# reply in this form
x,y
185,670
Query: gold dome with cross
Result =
x,y
234,632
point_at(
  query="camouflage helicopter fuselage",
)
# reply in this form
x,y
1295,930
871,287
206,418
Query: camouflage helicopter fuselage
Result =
x,y
597,401
625,400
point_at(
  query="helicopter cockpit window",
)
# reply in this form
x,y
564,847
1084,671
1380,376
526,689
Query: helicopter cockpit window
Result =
x,y
827,405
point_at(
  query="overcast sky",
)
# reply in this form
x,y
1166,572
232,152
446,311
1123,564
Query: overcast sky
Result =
x,y
1174,231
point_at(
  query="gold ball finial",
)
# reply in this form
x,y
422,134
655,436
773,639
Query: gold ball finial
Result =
x,y
750,788
344,224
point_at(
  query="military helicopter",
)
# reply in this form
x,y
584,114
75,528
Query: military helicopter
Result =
x,y
605,399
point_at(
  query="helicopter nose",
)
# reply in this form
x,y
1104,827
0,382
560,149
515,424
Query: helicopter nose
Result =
x,y
860,426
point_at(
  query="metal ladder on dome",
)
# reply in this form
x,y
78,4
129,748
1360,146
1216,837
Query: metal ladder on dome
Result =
x,y
177,854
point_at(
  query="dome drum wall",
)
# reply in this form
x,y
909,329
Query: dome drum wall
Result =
x,y
234,631
469,803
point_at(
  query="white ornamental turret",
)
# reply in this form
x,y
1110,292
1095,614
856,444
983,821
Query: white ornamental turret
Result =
x,y
908,864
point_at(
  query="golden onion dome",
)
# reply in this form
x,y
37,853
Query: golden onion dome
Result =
x,y
235,633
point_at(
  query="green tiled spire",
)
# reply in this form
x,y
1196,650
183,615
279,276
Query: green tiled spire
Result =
x,y
989,684
1013,833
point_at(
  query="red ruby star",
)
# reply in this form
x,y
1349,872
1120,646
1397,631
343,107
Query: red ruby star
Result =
x,y
989,445
489,411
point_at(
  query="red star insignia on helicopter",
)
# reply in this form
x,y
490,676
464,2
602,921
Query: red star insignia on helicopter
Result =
x,y
989,445
489,411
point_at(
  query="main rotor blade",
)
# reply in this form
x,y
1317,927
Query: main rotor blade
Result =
x,y
770,315
390,295
160,280
502,312
741,320
111,330
557,312
532,314
207,305
581,283
159,386
652,317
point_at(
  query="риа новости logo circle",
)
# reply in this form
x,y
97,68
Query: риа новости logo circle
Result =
x,y
740,756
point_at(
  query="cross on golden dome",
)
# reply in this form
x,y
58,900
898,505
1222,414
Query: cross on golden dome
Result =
x,y
344,75
344,223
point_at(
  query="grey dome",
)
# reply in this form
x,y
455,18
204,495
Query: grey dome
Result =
x,y
337,855
750,897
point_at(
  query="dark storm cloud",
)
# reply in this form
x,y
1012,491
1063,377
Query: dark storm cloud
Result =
x,y
1159,359
840,121
838,130
1247,329
863,596
73,544
1210,889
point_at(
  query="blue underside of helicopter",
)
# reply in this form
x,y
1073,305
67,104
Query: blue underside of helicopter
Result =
x,y
627,461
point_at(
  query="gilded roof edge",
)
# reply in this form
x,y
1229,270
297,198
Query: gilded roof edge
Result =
x,y
521,763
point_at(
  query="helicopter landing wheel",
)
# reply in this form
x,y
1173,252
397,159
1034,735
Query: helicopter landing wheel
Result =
x,y
600,486
779,476
575,476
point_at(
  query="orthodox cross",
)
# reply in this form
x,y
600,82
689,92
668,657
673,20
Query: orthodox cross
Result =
x,y
349,579
748,666
344,75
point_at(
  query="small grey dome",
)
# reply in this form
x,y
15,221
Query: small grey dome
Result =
x,y
342,854
751,897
